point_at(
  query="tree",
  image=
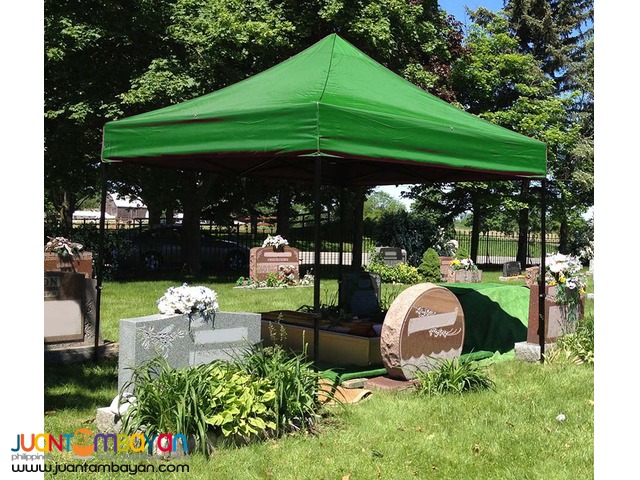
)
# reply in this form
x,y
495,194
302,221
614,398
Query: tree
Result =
x,y
92,50
379,202
495,81
111,59
559,33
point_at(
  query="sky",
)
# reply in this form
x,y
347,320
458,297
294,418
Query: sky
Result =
x,y
456,8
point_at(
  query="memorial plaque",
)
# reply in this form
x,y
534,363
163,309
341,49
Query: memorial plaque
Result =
x,y
64,298
185,341
360,293
391,255
511,269
266,260
424,324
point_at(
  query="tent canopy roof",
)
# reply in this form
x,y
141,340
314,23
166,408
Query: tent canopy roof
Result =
x,y
369,126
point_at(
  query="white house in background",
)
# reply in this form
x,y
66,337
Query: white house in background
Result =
x,y
117,208
126,208
91,215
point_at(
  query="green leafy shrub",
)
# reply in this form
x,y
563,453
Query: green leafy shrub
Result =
x,y
576,347
241,407
462,253
412,231
217,398
453,376
430,266
170,400
295,383
399,273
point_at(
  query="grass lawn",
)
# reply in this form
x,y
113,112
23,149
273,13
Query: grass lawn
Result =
x,y
510,433
130,299
507,434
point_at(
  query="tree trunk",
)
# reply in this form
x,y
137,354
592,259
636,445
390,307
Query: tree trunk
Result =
x,y
475,233
65,204
523,225
154,214
358,228
563,246
253,219
193,195
284,208
170,212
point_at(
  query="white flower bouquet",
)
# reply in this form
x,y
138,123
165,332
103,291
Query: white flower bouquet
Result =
x,y
63,247
463,264
277,241
188,300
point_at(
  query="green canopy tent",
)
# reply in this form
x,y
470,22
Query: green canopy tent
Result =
x,y
328,115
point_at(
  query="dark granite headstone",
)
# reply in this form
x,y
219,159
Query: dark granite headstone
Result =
x,y
511,269
266,260
360,293
391,255
64,298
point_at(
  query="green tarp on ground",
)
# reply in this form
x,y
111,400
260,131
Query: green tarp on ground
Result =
x,y
495,315
370,126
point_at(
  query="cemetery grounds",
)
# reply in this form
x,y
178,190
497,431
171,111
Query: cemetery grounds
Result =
x,y
538,423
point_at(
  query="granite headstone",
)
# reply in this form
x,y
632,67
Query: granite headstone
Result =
x,y
184,340
69,310
511,269
360,293
391,255
266,260
424,324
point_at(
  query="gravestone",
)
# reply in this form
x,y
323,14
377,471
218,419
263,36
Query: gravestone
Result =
x,y
425,324
69,310
391,255
266,260
511,269
183,340
556,323
360,293
80,263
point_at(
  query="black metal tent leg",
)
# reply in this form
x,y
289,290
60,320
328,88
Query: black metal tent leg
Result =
x,y
100,261
316,260
543,267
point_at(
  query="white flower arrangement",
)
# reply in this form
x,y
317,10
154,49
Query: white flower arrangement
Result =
x,y
463,264
565,271
63,247
277,241
188,300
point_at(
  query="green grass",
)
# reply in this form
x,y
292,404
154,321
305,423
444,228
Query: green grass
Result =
x,y
506,434
131,299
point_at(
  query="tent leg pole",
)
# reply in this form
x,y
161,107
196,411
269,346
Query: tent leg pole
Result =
x,y
100,262
316,260
341,243
543,267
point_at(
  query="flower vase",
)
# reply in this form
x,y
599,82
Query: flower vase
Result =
x,y
279,248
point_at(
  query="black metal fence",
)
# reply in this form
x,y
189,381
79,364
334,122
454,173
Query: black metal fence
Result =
x,y
225,248
496,248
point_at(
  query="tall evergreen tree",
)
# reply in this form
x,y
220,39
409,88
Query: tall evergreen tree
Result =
x,y
559,33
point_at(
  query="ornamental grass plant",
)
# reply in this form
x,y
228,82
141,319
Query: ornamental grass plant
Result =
x,y
454,376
